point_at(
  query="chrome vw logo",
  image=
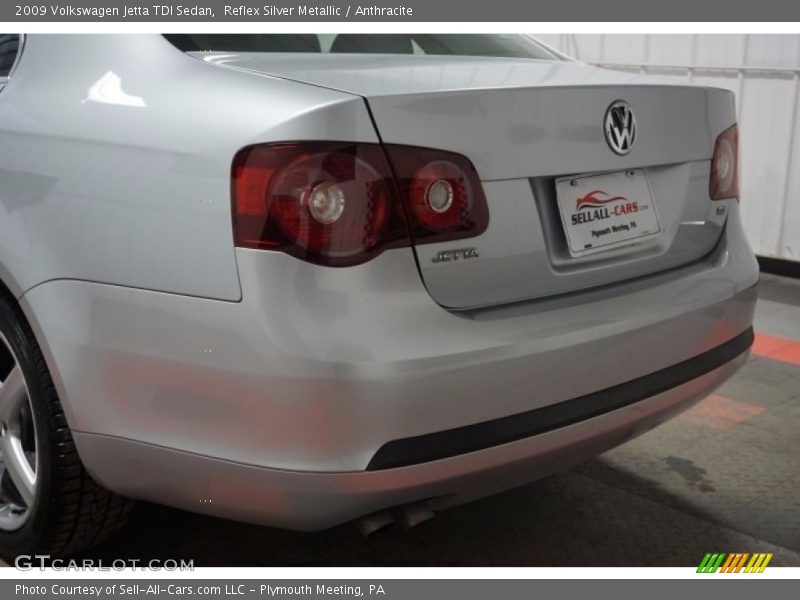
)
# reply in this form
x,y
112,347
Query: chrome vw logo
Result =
x,y
620,127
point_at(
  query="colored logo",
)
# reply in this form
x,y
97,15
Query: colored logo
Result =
x,y
736,562
595,202
595,199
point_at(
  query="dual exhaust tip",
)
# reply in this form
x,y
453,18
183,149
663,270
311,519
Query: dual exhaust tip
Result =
x,y
407,516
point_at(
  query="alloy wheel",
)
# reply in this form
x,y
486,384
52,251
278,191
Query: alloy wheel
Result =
x,y
18,443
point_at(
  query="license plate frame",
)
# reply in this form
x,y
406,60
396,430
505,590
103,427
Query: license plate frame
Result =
x,y
604,211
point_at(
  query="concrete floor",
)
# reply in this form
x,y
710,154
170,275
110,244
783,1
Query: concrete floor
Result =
x,y
723,476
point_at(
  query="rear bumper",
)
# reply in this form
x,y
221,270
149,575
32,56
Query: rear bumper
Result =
x,y
274,407
479,436
310,501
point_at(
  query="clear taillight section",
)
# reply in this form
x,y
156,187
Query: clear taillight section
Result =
x,y
724,181
340,204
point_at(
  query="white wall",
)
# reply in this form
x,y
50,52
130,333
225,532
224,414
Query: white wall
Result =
x,y
764,72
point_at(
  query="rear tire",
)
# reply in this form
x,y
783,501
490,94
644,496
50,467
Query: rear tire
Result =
x,y
48,502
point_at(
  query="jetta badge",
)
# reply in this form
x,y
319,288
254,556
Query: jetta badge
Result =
x,y
620,127
455,254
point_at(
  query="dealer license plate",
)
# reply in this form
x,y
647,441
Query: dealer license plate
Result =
x,y
601,212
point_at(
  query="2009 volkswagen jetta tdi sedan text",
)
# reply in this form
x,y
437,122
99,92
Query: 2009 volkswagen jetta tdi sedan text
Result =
x,y
306,279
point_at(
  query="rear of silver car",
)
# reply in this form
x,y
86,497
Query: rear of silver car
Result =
x,y
588,288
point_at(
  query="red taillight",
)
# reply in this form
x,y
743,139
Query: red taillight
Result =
x,y
328,203
338,204
724,181
443,192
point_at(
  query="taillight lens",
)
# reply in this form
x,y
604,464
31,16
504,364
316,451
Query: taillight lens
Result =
x,y
338,204
443,193
724,181
327,203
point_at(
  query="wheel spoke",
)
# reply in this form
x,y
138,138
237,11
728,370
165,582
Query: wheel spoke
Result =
x,y
18,445
17,467
12,395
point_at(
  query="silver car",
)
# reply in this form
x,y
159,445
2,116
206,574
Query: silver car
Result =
x,y
299,280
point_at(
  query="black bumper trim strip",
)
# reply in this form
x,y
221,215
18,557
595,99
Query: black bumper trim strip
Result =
x,y
470,438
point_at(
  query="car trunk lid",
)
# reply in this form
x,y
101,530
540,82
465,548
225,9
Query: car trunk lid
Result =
x,y
535,131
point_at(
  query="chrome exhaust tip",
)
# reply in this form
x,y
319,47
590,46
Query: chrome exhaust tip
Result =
x,y
369,524
411,515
